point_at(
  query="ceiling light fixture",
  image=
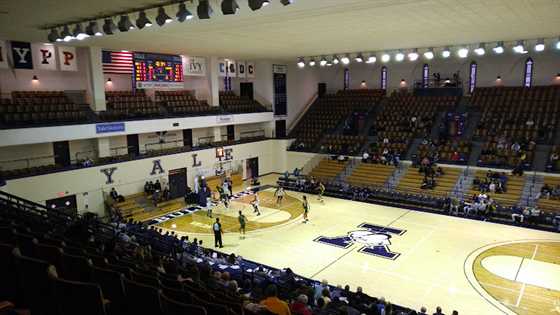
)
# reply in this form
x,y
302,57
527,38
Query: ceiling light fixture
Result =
x,y
301,62
480,50
345,60
499,49
312,62
286,2
359,58
79,33
371,59
93,29
323,62
399,56
65,34
385,57
558,43
429,54
413,56
257,4
183,14
124,24
162,18
53,36
540,45
229,7
204,10
335,60
109,26
463,52
446,52
519,47
142,20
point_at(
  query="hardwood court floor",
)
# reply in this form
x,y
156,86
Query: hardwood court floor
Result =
x,y
435,266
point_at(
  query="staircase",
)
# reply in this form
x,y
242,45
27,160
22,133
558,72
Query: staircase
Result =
x,y
370,118
350,166
472,123
398,173
434,133
476,149
542,153
413,148
463,183
532,187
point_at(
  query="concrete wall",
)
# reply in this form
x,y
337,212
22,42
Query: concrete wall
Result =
x,y
129,177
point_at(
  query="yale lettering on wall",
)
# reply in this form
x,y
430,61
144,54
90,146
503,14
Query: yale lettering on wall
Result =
x,y
226,156
21,55
195,163
157,169
67,58
109,174
44,56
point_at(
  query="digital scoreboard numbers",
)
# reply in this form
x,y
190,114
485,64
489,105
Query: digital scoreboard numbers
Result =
x,y
158,71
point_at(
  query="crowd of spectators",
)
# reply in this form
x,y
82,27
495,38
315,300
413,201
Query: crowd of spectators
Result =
x,y
493,182
549,192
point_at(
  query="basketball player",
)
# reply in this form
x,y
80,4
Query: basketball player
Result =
x,y
321,189
223,197
279,193
305,209
255,204
242,220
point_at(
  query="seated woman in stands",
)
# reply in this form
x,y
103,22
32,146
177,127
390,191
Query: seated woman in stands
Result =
x,y
439,172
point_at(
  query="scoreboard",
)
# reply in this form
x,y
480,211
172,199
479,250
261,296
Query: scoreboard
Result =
x,y
158,71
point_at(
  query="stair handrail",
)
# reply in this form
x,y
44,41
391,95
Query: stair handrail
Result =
x,y
302,113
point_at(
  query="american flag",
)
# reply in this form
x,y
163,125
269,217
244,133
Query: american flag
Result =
x,y
117,62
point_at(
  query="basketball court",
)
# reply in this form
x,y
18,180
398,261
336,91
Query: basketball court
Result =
x,y
414,258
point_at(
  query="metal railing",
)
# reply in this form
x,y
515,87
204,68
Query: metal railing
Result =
x,y
26,162
252,134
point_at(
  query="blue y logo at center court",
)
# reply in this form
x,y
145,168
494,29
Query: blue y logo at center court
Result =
x,y
375,238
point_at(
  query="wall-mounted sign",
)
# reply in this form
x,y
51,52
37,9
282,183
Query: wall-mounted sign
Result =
x,y
109,127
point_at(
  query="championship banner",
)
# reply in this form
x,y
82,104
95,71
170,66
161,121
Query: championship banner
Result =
x,y
241,69
222,68
3,55
194,66
67,59
231,68
21,55
250,69
44,56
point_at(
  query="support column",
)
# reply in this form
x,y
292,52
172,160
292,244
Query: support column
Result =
x,y
213,82
217,134
103,147
96,79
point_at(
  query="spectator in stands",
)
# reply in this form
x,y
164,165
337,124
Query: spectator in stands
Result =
x,y
299,306
341,158
157,185
116,196
365,157
319,287
516,214
438,311
423,311
273,303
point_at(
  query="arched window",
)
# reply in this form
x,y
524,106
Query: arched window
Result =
x,y
528,75
384,78
425,75
472,77
346,78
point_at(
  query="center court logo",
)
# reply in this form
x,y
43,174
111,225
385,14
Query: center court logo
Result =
x,y
374,238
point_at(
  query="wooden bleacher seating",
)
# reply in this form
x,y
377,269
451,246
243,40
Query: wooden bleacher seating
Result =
x,y
328,169
412,180
552,205
368,174
510,197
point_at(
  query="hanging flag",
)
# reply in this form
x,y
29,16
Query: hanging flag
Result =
x,y
250,69
194,66
222,68
231,68
3,55
119,62
43,56
241,69
67,59
21,55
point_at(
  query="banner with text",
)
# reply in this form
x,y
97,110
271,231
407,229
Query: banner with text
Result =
x,y
194,66
44,56
241,69
21,55
67,58
3,55
250,69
